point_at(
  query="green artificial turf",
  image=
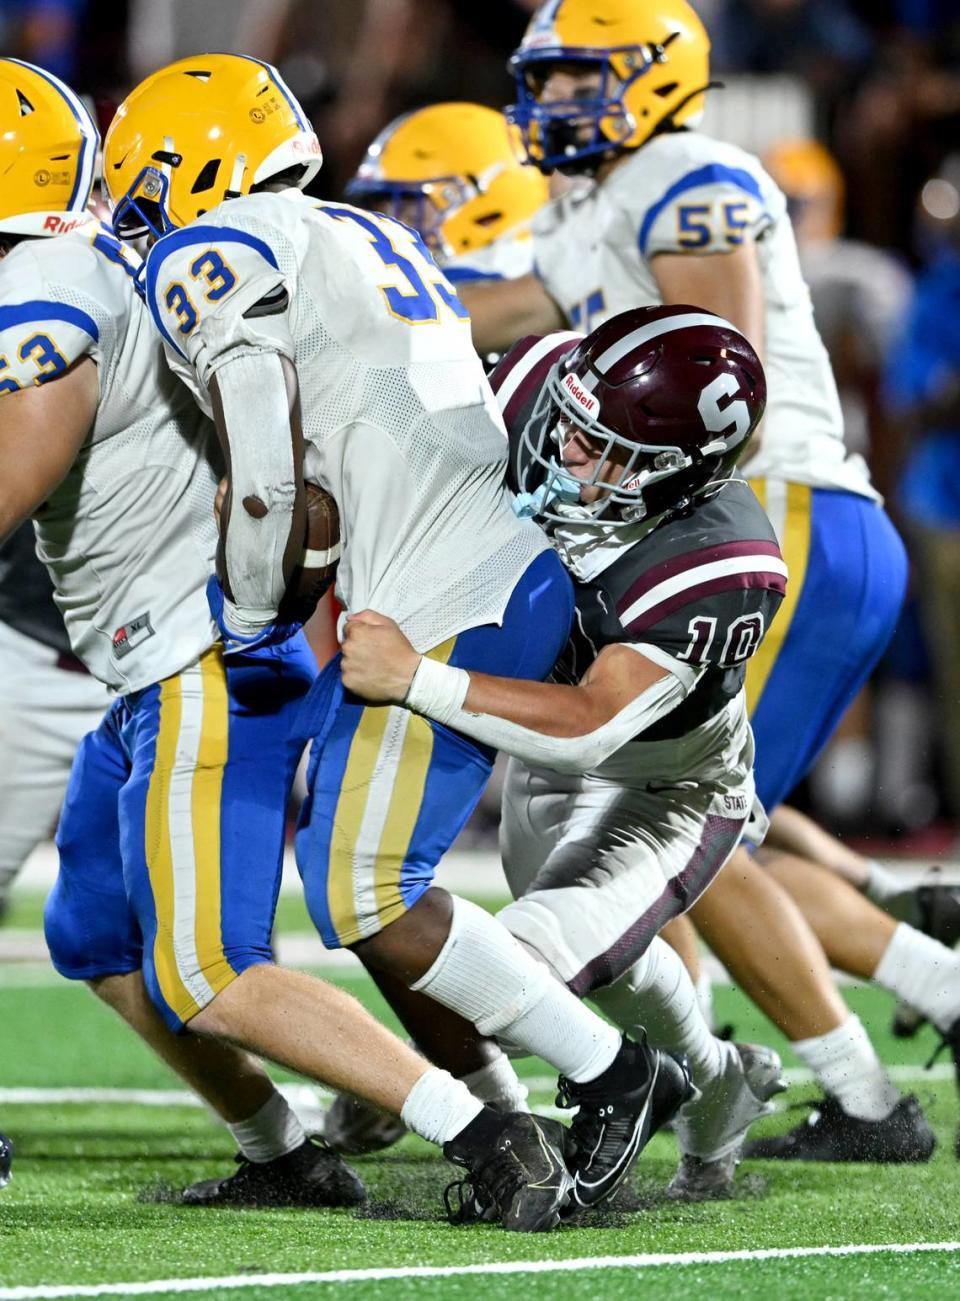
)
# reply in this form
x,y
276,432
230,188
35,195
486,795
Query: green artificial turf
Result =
x,y
90,1201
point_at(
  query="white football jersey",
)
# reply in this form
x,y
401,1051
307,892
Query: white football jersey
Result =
x,y
400,424
687,193
129,535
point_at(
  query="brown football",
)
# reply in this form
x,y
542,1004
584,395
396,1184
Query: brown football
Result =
x,y
321,554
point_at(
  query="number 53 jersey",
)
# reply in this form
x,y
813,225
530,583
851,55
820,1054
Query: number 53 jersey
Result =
x,y
129,535
398,420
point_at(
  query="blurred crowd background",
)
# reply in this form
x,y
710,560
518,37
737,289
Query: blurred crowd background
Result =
x,y
855,107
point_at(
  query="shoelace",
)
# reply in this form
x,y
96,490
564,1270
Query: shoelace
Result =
x,y
491,1184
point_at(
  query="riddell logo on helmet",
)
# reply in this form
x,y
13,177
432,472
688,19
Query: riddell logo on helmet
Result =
x,y
57,226
587,401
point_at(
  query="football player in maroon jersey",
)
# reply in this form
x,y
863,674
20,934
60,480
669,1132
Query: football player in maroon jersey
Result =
x,y
631,778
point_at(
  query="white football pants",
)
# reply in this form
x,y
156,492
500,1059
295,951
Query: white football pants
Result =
x,y
598,863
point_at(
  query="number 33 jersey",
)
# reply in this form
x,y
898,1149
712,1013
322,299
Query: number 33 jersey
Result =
x,y
398,420
684,193
129,534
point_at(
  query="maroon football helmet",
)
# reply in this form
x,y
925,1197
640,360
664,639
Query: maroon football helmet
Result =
x,y
670,395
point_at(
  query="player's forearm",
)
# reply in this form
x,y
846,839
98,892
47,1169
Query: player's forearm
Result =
x,y
262,520
570,729
505,310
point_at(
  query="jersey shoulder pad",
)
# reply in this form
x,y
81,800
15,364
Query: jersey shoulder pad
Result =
x,y
707,588
700,196
208,273
45,327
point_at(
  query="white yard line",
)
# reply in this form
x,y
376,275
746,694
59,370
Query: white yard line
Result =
x,y
309,1097
575,1266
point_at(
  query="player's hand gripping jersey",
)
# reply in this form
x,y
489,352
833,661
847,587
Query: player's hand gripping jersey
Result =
x,y
129,535
686,193
399,423
696,592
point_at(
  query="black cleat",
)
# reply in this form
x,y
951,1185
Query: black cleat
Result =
x,y
830,1134
6,1160
310,1175
936,911
515,1172
939,907
619,1112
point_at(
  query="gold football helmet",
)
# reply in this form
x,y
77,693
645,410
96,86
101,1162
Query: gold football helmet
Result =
x,y
809,176
653,61
452,172
48,152
199,131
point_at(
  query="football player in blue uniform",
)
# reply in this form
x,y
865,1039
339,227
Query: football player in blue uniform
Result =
x,y
171,839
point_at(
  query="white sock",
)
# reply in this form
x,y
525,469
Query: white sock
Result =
x,y
922,972
657,994
272,1131
483,973
846,1065
498,1085
438,1107
704,987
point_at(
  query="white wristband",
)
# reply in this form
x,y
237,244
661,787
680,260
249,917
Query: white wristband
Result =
x,y
437,690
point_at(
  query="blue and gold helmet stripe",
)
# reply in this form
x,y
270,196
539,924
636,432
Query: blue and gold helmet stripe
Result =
x,y
283,88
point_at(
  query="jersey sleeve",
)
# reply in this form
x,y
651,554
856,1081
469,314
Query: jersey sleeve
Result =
x,y
213,289
43,329
41,337
710,209
707,608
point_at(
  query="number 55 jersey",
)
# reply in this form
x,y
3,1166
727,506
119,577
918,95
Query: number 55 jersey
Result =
x,y
686,193
398,420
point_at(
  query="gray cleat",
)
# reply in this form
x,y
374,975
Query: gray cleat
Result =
x,y
711,1129
352,1127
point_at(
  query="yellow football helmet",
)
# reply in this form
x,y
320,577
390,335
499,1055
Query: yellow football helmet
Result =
x,y
451,171
809,176
199,131
48,152
653,60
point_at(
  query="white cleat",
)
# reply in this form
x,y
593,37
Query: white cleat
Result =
x,y
710,1129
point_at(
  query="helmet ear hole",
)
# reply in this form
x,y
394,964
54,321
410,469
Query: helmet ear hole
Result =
x,y
207,176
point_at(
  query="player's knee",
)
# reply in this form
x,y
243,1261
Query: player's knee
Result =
x,y
543,933
407,945
87,941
